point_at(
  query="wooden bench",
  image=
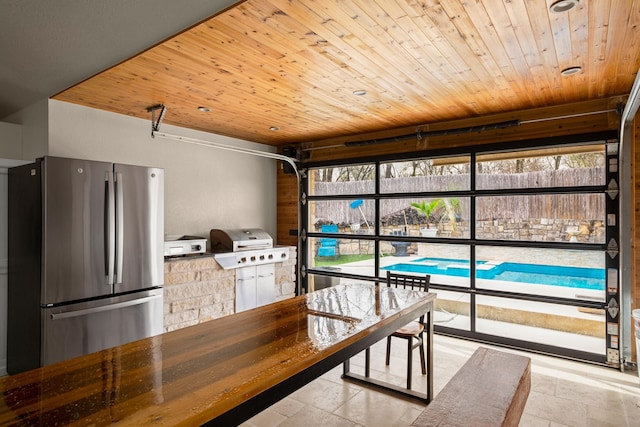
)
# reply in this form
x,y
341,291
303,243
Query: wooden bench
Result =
x,y
490,389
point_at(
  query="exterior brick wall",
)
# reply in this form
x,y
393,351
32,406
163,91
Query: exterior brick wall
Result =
x,y
197,289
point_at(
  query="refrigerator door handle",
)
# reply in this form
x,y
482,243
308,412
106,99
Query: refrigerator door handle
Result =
x,y
109,228
119,228
118,305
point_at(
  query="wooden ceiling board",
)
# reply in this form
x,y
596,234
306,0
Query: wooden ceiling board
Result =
x,y
544,53
295,65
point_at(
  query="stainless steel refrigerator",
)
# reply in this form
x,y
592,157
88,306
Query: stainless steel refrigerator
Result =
x,y
85,258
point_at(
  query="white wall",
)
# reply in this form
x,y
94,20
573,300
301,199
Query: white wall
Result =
x,y
34,121
10,141
205,188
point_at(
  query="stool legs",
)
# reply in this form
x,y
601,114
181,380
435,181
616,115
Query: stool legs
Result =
x,y
422,358
388,349
409,362
410,347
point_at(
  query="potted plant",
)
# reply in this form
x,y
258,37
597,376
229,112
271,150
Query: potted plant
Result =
x,y
439,210
427,209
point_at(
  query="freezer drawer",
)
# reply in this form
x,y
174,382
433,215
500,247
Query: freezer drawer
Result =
x,y
79,329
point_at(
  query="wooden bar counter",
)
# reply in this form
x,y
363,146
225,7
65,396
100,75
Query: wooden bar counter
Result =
x,y
220,372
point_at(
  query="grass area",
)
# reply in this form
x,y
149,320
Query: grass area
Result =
x,y
342,259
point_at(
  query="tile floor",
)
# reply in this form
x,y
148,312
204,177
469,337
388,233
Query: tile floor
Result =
x,y
563,393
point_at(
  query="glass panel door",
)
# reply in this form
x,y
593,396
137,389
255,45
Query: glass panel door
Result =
x,y
520,244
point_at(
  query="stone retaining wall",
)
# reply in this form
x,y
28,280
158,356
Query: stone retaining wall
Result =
x,y
532,230
542,230
197,289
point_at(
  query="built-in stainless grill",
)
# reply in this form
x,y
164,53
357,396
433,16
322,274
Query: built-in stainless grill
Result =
x,y
243,247
240,239
250,251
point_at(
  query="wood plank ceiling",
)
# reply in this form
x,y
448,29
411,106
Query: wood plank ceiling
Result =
x,y
295,65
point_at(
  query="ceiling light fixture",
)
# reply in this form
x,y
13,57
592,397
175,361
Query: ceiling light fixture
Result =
x,y
274,128
204,109
359,92
562,6
571,71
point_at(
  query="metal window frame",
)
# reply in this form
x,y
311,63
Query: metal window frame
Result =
x,y
608,358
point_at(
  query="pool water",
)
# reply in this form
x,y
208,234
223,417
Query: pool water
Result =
x,y
553,275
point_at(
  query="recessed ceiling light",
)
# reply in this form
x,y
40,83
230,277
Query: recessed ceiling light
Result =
x,y
359,92
204,109
563,6
570,71
274,128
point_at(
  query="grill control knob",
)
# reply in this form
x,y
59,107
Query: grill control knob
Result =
x,y
253,258
261,257
243,259
270,256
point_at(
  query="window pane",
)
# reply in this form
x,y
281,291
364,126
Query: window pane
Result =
x,y
355,179
552,272
549,167
320,281
452,310
423,175
430,217
342,216
350,256
317,281
576,218
447,264
551,324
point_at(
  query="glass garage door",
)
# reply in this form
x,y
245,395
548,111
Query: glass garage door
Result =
x,y
521,245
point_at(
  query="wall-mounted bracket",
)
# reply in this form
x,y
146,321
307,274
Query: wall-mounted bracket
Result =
x,y
155,124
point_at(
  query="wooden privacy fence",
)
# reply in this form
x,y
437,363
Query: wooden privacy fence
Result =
x,y
582,207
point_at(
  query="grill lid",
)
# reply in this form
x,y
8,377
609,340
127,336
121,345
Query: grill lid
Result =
x,y
240,239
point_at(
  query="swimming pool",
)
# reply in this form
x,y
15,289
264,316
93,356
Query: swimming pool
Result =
x,y
553,275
